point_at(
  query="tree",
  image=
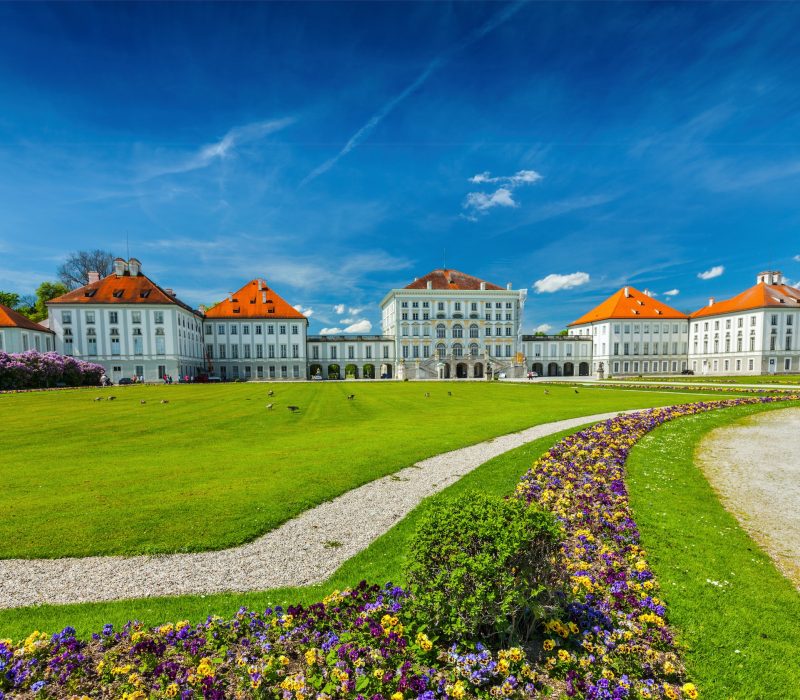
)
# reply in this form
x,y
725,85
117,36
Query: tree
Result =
x,y
564,332
9,299
44,293
75,271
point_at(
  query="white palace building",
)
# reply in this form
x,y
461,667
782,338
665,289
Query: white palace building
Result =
x,y
444,325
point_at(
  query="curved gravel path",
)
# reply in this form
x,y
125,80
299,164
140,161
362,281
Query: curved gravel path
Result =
x,y
294,554
755,467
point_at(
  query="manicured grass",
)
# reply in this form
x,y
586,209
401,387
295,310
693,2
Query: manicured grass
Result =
x,y
213,468
787,379
734,611
382,561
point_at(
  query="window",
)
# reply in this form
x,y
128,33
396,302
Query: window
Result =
x,y
234,330
209,350
752,343
137,346
404,316
295,330
625,349
136,316
260,351
487,331
368,352
404,304
295,351
245,330
333,352
415,351
112,317
616,329
616,349
473,331
282,330
209,329
315,352
90,317
788,342
66,317
234,352
405,352
115,347
160,344
158,317
220,329
258,332
295,371
458,331
385,352
750,364
426,351
787,364
283,352
246,352
508,331
271,331
457,306
221,352
774,320
440,330
271,353
738,365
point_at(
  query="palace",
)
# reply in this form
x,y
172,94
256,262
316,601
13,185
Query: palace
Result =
x,y
447,324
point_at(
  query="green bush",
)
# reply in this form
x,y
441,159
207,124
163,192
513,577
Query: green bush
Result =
x,y
481,567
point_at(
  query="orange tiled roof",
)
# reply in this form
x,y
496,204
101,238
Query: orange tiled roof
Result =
x,y
450,279
123,289
759,296
12,319
254,300
634,306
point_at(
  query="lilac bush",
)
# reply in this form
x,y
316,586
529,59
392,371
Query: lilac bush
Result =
x,y
36,370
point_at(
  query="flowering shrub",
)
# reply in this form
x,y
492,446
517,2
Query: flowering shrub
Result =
x,y
694,388
611,640
480,567
33,370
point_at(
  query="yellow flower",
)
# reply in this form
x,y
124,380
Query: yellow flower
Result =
x,y
378,673
397,696
549,644
515,654
690,691
456,690
608,673
171,690
563,655
424,643
284,661
670,692
311,657
502,666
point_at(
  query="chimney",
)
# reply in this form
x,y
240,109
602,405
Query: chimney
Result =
x,y
647,293
429,285
170,292
483,286
711,301
94,277
627,293
263,297
508,286
135,267
202,309
119,267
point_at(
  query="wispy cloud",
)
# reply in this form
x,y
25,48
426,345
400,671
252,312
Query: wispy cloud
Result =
x,y
339,309
219,150
711,273
480,201
521,177
555,283
543,328
796,258
418,82
672,293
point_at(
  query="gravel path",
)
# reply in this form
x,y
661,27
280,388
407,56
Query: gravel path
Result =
x,y
292,555
755,467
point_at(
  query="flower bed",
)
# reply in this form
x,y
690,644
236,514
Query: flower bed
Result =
x,y
34,370
611,640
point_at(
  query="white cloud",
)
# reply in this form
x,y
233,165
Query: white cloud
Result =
x,y
339,309
711,273
555,283
480,201
796,258
354,311
672,293
306,312
543,328
362,326
218,150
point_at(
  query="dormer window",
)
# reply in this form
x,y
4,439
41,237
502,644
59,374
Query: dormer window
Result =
x,y
117,293
90,292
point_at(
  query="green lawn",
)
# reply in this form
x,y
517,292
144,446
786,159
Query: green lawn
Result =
x,y
382,561
742,631
213,468
779,379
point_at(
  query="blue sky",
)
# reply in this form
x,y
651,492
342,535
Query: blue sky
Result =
x,y
339,149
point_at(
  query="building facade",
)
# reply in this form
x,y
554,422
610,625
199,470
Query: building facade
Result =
x,y
130,325
754,332
255,334
632,333
445,325
448,324
20,334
